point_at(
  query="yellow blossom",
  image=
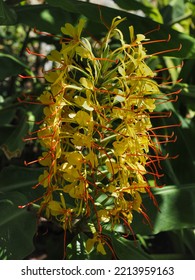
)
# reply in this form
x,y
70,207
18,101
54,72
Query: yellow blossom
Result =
x,y
96,130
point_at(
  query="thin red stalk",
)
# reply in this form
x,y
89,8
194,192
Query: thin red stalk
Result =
x,y
47,34
166,51
34,53
30,203
153,30
152,41
164,126
168,68
31,77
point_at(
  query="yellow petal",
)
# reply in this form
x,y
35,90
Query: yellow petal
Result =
x,y
54,56
82,118
74,158
46,98
51,76
86,83
80,26
55,207
112,166
69,30
44,179
100,248
90,244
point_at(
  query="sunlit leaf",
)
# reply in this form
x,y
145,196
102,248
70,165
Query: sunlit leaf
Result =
x,y
176,210
141,24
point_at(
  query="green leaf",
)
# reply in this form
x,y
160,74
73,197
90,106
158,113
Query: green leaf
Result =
x,y
48,18
17,226
128,250
173,11
188,236
141,25
145,6
180,170
187,71
6,116
7,15
10,66
11,141
22,180
177,210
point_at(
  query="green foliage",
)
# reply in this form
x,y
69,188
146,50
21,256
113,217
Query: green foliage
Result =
x,y
174,220
7,15
17,226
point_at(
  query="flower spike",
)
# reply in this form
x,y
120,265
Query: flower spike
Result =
x,y
99,142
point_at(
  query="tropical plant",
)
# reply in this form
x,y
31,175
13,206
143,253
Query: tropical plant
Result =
x,y
96,103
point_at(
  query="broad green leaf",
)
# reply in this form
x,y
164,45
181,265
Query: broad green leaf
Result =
x,y
6,116
188,238
173,11
145,6
7,15
141,25
11,141
128,250
187,71
48,18
186,99
176,210
171,63
10,66
22,180
180,170
17,226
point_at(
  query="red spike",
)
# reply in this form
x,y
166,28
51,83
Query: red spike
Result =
x,y
173,93
160,115
168,68
146,217
33,53
172,82
46,33
165,126
29,203
153,30
31,77
130,228
166,51
101,18
153,41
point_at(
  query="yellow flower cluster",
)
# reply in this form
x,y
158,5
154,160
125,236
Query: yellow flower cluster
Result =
x,y
96,130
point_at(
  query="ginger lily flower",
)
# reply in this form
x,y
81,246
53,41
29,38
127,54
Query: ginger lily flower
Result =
x,y
97,131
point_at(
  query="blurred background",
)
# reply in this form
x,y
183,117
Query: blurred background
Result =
x,y
24,24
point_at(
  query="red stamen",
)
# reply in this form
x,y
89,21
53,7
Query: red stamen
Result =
x,y
166,51
31,77
168,68
172,82
33,53
146,218
153,30
46,33
152,41
29,203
